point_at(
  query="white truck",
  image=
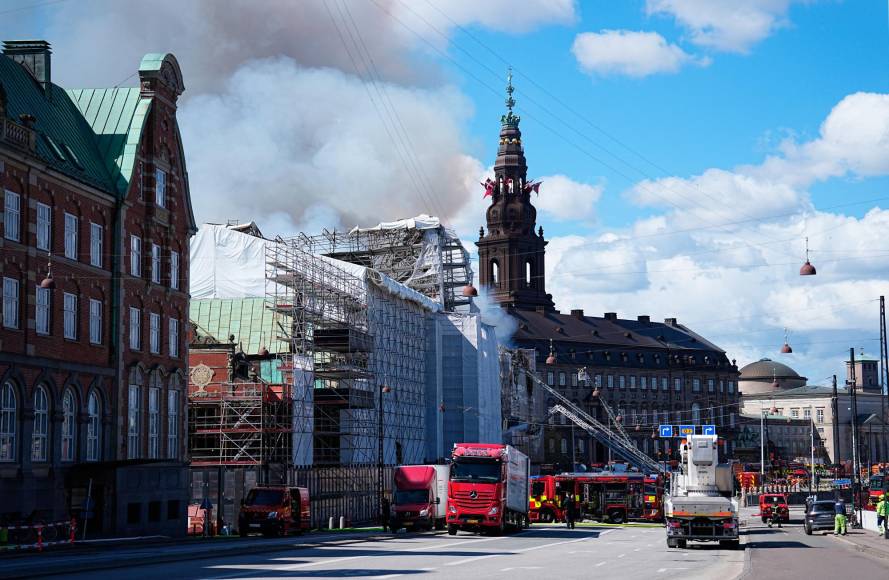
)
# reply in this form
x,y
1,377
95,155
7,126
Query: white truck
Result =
x,y
699,506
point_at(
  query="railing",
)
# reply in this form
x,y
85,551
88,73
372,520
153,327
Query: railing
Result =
x,y
17,135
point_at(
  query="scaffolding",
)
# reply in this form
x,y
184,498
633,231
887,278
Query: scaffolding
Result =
x,y
420,253
357,359
240,424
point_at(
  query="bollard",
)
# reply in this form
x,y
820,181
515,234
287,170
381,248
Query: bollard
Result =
x,y
342,522
72,529
39,538
330,523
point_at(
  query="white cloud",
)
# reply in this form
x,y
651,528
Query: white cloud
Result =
x,y
630,53
725,25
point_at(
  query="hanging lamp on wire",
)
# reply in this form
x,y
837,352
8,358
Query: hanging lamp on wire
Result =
x,y
48,283
775,384
786,348
551,359
808,269
469,291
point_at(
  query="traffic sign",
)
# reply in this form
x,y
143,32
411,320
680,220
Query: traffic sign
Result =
x,y
206,504
666,430
708,430
686,430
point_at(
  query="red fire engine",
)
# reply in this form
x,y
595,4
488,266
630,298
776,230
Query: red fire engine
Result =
x,y
613,497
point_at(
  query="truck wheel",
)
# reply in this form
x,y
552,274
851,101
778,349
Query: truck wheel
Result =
x,y
672,543
616,516
452,530
681,544
547,516
808,530
729,544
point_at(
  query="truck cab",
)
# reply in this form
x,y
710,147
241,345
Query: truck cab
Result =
x,y
274,511
419,497
774,503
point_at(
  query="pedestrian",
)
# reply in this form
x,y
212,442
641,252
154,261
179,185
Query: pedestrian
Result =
x,y
882,513
570,510
839,519
385,510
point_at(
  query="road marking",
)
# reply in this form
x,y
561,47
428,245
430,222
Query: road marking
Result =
x,y
449,544
622,555
601,563
637,549
521,568
473,559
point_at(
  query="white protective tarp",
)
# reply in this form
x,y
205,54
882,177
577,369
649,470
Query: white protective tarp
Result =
x,y
226,263
420,222
390,286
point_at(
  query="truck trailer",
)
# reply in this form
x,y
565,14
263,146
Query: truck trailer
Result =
x,y
488,488
419,500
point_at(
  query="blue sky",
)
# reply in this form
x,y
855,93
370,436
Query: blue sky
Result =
x,y
657,125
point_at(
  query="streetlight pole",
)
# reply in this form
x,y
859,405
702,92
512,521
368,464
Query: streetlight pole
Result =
x,y
856,459
812,456
762,445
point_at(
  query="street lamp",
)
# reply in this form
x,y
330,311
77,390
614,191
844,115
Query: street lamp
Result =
x,y
382,389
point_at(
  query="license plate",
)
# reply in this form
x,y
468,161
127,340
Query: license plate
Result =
x,y
472,521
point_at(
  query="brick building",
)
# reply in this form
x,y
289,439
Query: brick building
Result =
x,y
95,235
648,372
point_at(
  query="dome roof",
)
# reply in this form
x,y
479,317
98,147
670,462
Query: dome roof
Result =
x,y
761,377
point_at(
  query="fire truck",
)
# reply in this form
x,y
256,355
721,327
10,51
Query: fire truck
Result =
x,y
612,497
878,484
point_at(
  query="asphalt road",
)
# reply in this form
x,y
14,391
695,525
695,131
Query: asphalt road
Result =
x,y
541,552
787,552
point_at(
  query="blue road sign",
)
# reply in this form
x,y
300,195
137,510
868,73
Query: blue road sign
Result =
x,y
666,430
708,429
686,430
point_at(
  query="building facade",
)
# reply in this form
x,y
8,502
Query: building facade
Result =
x,y
93,362
648,372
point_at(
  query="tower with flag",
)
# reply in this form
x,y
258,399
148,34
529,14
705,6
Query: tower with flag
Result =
x,y
511,252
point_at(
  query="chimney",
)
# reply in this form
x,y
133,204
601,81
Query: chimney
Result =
x,y
577,313
34,55
611,316
670,322
643,318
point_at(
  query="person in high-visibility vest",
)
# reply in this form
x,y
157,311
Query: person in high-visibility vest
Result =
x,y
882,513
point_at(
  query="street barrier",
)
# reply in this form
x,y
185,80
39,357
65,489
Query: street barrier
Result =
x,y
39,535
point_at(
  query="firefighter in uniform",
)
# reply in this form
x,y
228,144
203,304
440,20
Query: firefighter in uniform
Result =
x,y
570,510
839,525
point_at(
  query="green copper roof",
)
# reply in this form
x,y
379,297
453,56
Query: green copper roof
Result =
x,y
246,318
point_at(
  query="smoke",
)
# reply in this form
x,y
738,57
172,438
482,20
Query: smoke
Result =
x,y
505,326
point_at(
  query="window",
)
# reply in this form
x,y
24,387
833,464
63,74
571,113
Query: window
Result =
x,y
70,236
677,385
622,382
807,414
42,310
174,337
794,413
643,382
154,332
550,378
153,423
155,263
93,428
721,386
696,385
173,424
69,312
134,513
573,379
819,415
562,379
134,417
632,381
68,426
40,434
12,216
135,329
731,386
173,509
580,445
160,188
610,381
711,387
665,384
95,321
552,445
495,273
695,413
597,381
731,420
528,273
8,423
44,226
136,256
96,245
10,303
174,270
563,446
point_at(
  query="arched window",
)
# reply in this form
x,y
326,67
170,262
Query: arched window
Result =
x,y
154,415
93,427
528,278
495,273
68,426
40,434
134,415
8,422
564,445
695,413
173,418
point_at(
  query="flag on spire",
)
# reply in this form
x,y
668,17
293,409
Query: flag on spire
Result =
x,y
489,187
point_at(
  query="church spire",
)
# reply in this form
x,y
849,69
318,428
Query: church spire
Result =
x,y
510,102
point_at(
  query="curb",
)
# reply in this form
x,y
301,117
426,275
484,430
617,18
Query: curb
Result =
x,y
49,569
862,548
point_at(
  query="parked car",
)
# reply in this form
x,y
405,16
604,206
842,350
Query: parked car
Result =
x,y
274,511
819,516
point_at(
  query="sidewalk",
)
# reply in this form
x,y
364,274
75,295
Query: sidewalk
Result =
x,y
866,541
81,558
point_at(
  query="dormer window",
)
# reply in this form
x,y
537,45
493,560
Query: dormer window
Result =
x,y
160,188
